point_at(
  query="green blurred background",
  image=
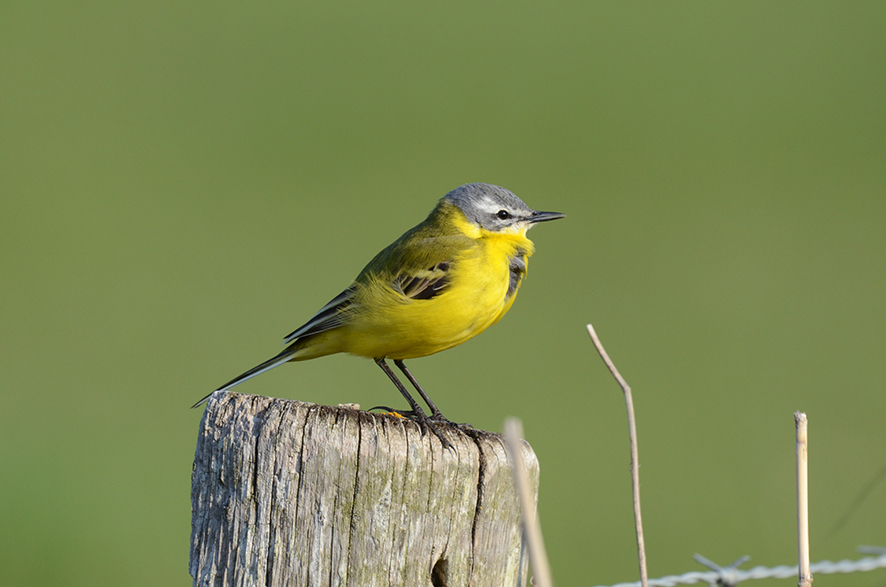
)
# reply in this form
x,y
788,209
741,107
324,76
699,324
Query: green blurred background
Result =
x,y
184,183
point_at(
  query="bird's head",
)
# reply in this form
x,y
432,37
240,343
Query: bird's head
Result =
x,y
496,209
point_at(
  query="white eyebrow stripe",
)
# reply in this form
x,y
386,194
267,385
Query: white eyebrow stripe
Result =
x,y
489,205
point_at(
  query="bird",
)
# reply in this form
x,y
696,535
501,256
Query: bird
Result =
x,y
443,282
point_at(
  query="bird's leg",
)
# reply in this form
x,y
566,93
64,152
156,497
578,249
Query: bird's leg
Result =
x,y
417,412
435,413
416,409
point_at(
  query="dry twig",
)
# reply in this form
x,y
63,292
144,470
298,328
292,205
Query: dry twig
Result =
x,y
804,574
538,558
635,466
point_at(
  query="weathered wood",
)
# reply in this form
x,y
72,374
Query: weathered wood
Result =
x,y
286,493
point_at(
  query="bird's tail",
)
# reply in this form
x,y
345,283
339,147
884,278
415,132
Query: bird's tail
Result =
x,y
283,357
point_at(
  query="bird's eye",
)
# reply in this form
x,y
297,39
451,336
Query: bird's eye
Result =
x,y
503,214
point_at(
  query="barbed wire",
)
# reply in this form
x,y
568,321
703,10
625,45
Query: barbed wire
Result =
x,y
731,575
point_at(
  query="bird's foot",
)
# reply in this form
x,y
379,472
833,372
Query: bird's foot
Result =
x,y
420,418
427,424
441,419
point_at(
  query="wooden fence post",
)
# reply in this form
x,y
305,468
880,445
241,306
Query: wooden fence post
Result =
x,y
298,494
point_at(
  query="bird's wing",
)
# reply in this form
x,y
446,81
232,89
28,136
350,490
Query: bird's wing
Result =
x,y
417,268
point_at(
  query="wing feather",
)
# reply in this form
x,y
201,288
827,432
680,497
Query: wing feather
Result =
x,y
327,318
424,284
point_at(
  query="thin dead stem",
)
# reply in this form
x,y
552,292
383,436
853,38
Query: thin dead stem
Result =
x,y
804,575
635,466
538,558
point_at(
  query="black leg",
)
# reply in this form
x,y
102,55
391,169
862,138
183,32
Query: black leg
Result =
x,y
435,413
417,412
416,409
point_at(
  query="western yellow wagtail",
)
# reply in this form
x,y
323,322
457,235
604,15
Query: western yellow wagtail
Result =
x,y
443,282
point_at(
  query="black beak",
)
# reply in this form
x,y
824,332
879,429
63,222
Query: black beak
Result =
x,y
544,216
